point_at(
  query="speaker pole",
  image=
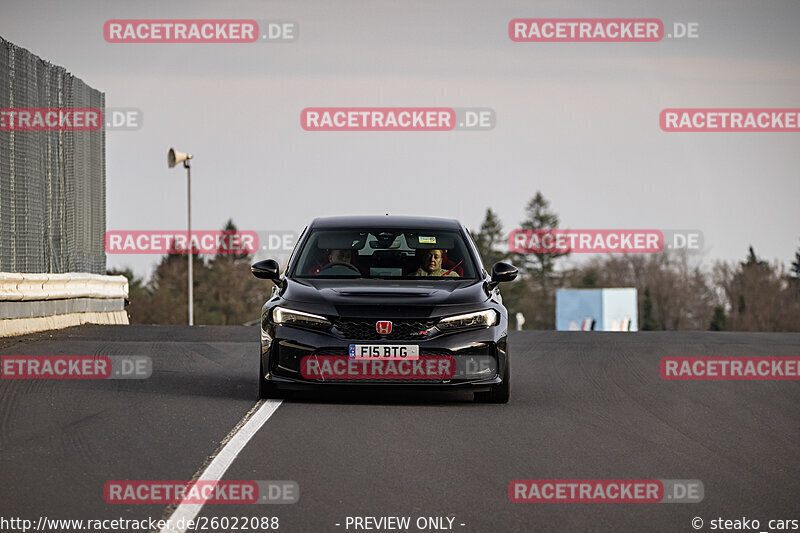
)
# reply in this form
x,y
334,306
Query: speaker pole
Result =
x,y
173,158
191,250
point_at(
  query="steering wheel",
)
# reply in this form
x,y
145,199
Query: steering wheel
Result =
x,y
336,264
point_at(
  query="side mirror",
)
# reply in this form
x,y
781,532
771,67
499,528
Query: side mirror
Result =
x,y
266,269
503,272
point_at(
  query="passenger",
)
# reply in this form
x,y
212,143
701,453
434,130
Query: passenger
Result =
x,y
432,265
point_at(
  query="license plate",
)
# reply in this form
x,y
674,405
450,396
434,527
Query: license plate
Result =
x,y
373,352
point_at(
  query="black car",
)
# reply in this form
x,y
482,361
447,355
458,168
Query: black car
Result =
x,y
385,301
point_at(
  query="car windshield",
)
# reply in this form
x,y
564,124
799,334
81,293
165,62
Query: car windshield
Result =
x,y
391,253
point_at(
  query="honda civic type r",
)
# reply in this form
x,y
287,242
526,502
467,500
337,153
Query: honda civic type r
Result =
x,y
385,302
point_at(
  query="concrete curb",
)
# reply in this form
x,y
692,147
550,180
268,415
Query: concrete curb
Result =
x,y
21,326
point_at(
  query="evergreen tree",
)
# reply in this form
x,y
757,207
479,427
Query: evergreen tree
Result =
x,y
589,279
539,217
225,291
753,260
229,231
490,241
718,320
537,302
649,322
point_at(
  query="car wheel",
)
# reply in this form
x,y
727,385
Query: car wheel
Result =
x,y
499,393
266,389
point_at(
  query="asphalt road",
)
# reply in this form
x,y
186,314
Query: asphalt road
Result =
x,y
583,406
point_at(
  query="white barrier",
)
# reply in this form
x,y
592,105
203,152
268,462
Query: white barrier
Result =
x,y
31,292
25,287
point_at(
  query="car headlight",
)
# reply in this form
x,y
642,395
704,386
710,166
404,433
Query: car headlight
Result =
x,y
478,319
292,317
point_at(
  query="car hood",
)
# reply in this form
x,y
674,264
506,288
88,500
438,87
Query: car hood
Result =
x,y
349,293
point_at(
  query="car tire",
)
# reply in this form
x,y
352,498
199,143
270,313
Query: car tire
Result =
x,y
266,389
499,393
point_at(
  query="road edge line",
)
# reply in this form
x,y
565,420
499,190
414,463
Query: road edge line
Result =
x,y
222,459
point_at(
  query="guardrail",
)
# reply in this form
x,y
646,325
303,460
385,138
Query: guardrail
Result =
x,y
37,302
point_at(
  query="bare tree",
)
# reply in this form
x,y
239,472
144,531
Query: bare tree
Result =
x,y
758,296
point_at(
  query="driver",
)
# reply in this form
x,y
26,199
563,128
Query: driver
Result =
x,y
339,261
432,265
340,256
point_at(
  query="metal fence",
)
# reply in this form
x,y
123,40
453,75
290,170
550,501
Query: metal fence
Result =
x,y
52,183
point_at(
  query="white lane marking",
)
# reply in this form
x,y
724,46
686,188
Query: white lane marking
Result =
x,y
216,469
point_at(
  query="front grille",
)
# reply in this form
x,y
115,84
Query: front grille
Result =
x,y
364,329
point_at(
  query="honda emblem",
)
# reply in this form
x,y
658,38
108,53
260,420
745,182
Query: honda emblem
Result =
x,y
384,327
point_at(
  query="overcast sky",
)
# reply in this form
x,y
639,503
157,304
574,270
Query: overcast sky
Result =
x,y
578,121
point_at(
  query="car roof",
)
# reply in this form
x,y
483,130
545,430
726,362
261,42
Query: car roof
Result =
x,y
386,221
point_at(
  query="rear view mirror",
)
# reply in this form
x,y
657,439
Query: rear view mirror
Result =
x,y
266,269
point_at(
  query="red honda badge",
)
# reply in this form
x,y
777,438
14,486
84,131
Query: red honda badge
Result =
x,y
384,327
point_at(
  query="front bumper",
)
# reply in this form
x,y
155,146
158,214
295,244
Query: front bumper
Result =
x,y
478,359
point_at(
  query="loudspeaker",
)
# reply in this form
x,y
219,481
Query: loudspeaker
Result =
x,y
174,157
